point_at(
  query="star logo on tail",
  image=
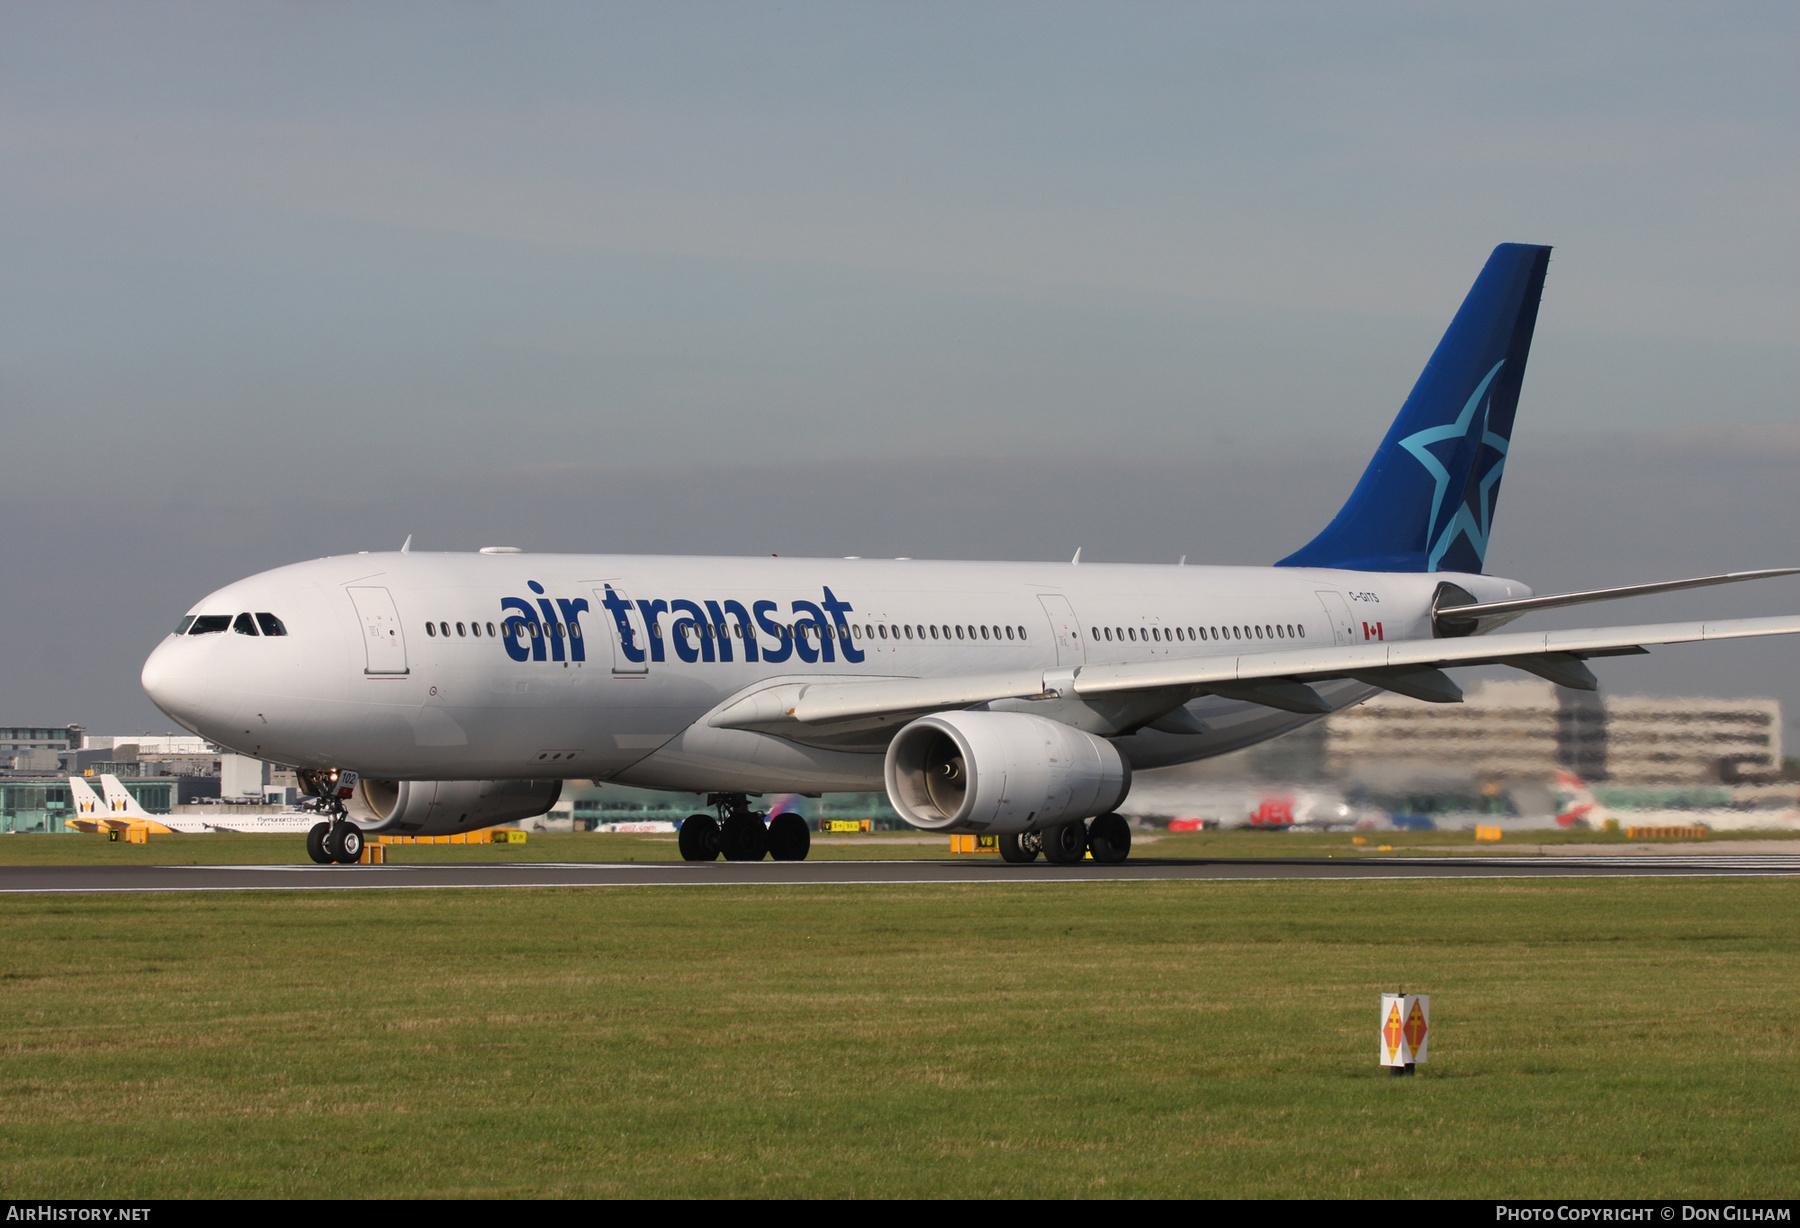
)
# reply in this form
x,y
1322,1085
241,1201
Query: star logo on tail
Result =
x,y
1472,522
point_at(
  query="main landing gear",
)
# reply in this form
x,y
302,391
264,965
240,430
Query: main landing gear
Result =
x,y
339,840
743,834
1107,837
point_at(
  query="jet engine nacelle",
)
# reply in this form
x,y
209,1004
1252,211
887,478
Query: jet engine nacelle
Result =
x,y
1001,772
443,807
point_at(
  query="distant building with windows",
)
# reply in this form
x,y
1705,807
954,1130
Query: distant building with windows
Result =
x,y
44,805
1524,730
37,748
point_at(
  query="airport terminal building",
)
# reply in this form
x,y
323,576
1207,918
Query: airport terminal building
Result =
x,y
1529,730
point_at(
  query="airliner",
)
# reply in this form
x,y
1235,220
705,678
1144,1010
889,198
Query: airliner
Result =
x,y
436,693
1578,807
119,810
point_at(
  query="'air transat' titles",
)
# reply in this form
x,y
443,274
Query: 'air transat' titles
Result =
x,y
542,628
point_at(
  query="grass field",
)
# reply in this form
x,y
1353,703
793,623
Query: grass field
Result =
x,y
223,849
1598,1037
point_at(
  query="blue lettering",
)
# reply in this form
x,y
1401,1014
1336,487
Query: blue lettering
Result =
x,y
679,632
620,608
571,612
736,610
784,643
838,609
718,622
512,629
555,640
654,629
803,643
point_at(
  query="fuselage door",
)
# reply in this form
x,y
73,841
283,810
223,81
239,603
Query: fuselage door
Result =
x,y
631,647
1065,628
1337,610
383,639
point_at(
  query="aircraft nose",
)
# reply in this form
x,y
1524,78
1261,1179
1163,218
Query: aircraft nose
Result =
x,y
167,682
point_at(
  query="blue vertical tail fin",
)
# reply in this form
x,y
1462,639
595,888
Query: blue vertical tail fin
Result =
x,y
1426,501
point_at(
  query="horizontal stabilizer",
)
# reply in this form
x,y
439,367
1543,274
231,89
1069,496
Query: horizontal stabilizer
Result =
x,y
1459,617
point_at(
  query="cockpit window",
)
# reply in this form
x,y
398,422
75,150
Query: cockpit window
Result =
x,y
270,624
208,624
245,625
182,626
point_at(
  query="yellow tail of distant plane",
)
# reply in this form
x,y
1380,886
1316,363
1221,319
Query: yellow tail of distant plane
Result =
x,y
120,809
90,813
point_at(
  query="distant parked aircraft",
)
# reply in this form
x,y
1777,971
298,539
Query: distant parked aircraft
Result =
x,y
119,810
1578,806
1189,806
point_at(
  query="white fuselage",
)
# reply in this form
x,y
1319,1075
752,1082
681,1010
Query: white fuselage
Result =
x,y
597,665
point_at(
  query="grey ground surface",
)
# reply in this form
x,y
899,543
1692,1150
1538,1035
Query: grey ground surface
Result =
x,y
15,880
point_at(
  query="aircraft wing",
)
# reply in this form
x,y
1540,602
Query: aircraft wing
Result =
x,y
1277,679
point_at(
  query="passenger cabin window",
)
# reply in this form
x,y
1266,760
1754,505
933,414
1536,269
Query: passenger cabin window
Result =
x,y
208,624
430,629
270,624
461,631
245,625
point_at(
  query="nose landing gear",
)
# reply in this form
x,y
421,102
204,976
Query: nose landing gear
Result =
x,y
340,841
335,837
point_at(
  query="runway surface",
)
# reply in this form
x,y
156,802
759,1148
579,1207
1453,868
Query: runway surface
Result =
x,y
39,880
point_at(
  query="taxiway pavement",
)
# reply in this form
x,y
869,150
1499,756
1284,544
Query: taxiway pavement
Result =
x,y
37,880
